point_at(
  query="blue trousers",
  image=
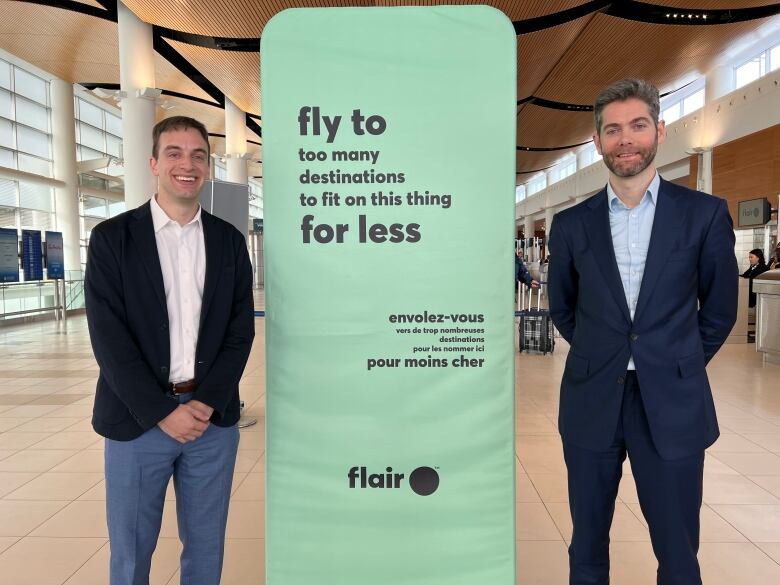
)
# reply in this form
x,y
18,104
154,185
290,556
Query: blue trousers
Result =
x,y
670,495
137,475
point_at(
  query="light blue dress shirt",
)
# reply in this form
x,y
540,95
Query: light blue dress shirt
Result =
x,y
631,230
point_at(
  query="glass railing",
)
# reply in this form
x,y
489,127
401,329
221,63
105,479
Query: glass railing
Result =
x,y
19,299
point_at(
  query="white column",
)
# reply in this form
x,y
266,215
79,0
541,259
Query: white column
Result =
x,y
66,201
136,72
704,178
548,217
235,143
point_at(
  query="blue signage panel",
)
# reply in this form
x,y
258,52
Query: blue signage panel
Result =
x,y
55,257
32,255
9,256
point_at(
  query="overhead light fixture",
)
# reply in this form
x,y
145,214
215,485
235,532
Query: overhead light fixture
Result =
x,y
109,94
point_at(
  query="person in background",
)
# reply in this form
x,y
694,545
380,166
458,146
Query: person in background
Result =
x,y
757,266
775,261
521,272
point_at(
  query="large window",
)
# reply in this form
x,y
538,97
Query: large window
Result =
x,y
537,184
757,66
683,102
25,145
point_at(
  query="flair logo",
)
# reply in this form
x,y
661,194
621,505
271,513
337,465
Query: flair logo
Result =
x,y
423,480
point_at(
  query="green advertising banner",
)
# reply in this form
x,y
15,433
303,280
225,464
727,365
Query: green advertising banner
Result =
x,y
389,159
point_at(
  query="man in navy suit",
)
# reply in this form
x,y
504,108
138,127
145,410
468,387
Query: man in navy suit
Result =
x,y
171,320
643,286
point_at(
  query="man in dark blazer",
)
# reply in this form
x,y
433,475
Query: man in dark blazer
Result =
x,y
643,286
171,320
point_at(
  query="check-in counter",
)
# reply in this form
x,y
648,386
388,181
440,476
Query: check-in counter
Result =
x,y
739,333
767,288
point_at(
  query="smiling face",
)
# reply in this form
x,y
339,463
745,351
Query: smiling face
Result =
x,y
181,165
628,139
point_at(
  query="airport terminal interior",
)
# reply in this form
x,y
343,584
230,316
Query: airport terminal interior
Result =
x,y
81,83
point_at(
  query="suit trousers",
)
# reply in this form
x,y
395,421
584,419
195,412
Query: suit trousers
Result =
x,y
137,475
670,496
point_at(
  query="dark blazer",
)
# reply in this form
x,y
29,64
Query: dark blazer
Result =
x,y
686,308
128,323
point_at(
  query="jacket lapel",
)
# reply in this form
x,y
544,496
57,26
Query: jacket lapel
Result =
x,y
212,236
142,232
599,235
667,225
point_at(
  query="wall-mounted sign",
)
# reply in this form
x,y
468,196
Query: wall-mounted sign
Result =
x,y
9,255
753,213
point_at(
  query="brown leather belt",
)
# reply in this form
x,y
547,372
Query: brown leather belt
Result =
x,y
182,387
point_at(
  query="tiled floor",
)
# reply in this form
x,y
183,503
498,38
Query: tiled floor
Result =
x,y
52,508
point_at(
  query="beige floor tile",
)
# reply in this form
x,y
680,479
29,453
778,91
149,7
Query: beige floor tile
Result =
x,y
244,561
83,425
625,526
87,460
68,440
97,493
7,541
734,443
535,523
715,529
542,563
552,487
28,460
759,523
735,489
525,491
63,556
56,486
771,442
46,425
534,425
770,483
7,424
80,518
714,466
747,425
19,518
770,548
72,410
752,463
627,490
165,563
251,488
29,411
251,441
5,453
246,520
632,563
736,563
10,481
15,440
246,460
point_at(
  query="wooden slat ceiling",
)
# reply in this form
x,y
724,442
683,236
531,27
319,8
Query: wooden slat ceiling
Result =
x,y
237,75
612,48
538,52
94,3
247,18
567,63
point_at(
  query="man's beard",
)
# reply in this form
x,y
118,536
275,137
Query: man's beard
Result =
x,y
646,156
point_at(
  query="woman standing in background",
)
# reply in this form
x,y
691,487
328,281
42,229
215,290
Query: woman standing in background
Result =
x,y
757,266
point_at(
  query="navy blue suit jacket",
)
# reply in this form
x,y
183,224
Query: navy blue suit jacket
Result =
x,y
128,323
686,308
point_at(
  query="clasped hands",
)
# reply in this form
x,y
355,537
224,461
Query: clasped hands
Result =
x,y
188,422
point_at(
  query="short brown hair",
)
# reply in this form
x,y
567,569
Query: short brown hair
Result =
x,y
625,89
177,123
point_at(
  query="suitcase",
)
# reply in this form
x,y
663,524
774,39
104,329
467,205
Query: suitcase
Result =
x,y
536,330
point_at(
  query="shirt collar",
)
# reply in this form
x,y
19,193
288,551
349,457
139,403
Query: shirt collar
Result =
x,y
161,219
652,189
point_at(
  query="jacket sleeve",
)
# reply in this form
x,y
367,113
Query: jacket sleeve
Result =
x,y
228,366
718,285
522,274
563,282
117,353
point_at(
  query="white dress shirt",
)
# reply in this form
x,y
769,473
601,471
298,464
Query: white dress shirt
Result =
x,y
182,252
631,229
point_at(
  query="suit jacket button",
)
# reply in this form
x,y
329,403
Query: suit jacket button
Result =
x,y
163,327
621,380
164,369
634,337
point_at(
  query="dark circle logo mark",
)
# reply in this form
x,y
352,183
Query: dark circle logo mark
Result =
x,y
424,481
